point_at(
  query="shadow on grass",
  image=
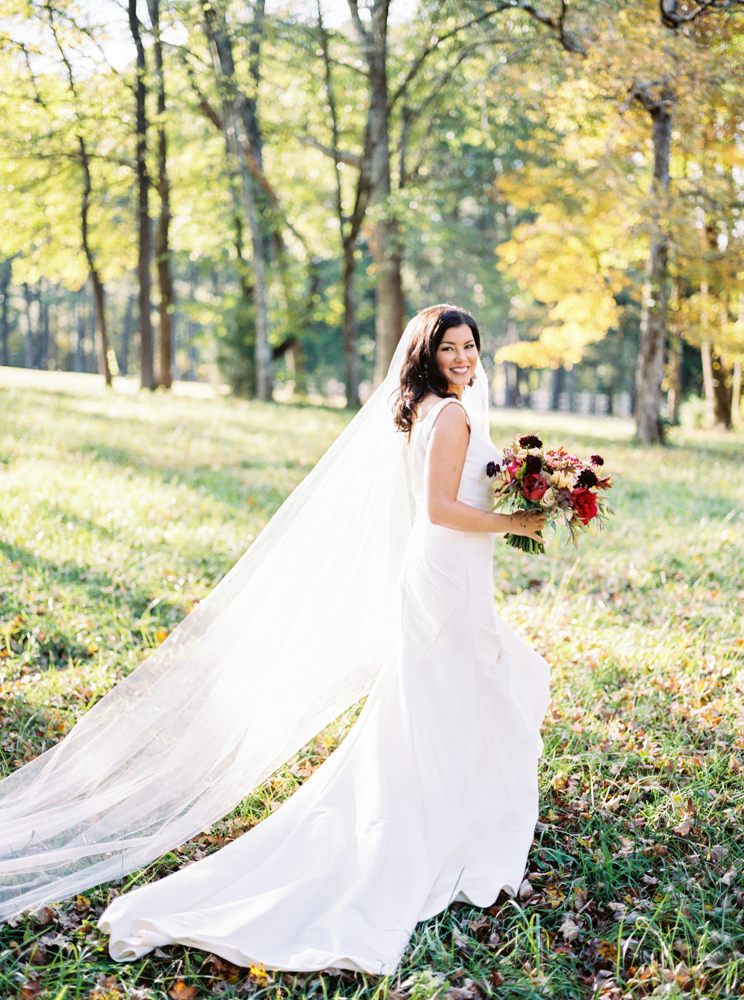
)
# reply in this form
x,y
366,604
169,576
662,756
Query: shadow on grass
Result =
x,y
96,585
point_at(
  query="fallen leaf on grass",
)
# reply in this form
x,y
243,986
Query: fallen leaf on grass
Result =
x,y
43,915
570,929
30,989
683,828
496,979
54,941
607,951
459,940
728,877
107,988
224,970
257,974
480,928
554,896
525,890
468,991
37,955
717,853
181,991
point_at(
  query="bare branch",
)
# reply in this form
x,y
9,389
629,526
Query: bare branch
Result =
x,y
204,103
339,155
434,43
568,40
358,24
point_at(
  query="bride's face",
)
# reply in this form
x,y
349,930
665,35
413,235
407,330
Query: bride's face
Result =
x,y
457,356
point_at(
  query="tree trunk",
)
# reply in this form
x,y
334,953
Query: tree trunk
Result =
x,y
736,380
721,393
570,386
736,393
80,342
42,354
162,245
147,375
6,271
674,364
240,121
126,337
556,386
650,366
385,241
95,278
674,393
351,334
385,245
28,340
349,228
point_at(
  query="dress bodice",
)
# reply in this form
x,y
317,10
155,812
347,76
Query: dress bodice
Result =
x,y
476,488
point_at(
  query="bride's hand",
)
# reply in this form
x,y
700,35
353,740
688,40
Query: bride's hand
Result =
x,y
528,523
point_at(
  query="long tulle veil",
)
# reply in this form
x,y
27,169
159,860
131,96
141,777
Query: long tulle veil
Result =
x,y
293,635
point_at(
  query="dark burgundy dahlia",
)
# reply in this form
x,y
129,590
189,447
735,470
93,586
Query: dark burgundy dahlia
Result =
x,y
532,465
587,478
493,469
530,441
596,460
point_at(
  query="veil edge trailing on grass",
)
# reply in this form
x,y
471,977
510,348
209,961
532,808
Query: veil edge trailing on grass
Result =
x,y
293,635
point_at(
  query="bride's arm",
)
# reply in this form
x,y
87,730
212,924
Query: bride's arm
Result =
x,y
445,458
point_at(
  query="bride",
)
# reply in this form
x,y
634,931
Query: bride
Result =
x,y
374,577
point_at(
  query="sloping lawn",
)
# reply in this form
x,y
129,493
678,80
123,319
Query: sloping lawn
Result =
x,y
118,512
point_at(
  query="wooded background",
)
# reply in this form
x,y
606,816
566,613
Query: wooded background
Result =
x,y
264,194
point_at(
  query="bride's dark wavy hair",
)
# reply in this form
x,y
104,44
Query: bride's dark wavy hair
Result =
x,y
421,373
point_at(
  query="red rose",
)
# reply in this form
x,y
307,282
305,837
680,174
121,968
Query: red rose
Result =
x,y
585,504
534,487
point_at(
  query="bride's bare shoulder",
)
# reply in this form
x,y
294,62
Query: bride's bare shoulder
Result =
x,y
426,404
429,402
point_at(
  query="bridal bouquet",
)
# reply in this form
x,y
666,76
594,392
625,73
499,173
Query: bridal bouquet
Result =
x,y
560,485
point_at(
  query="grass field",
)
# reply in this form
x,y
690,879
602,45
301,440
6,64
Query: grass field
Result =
x,y
117,512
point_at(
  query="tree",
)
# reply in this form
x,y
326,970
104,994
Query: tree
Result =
x,y
162,243
84,160
243,135
349,225
648,55
147,372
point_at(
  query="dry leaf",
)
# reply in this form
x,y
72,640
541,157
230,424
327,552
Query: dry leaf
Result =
x,y
257,974
37,955
554,896
684,827
43,915
570,929
460,941
54,940
222,969
525,890
181,991
496,979
607,950
30,989
717,853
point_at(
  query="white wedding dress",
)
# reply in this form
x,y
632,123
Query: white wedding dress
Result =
x,y
431,798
